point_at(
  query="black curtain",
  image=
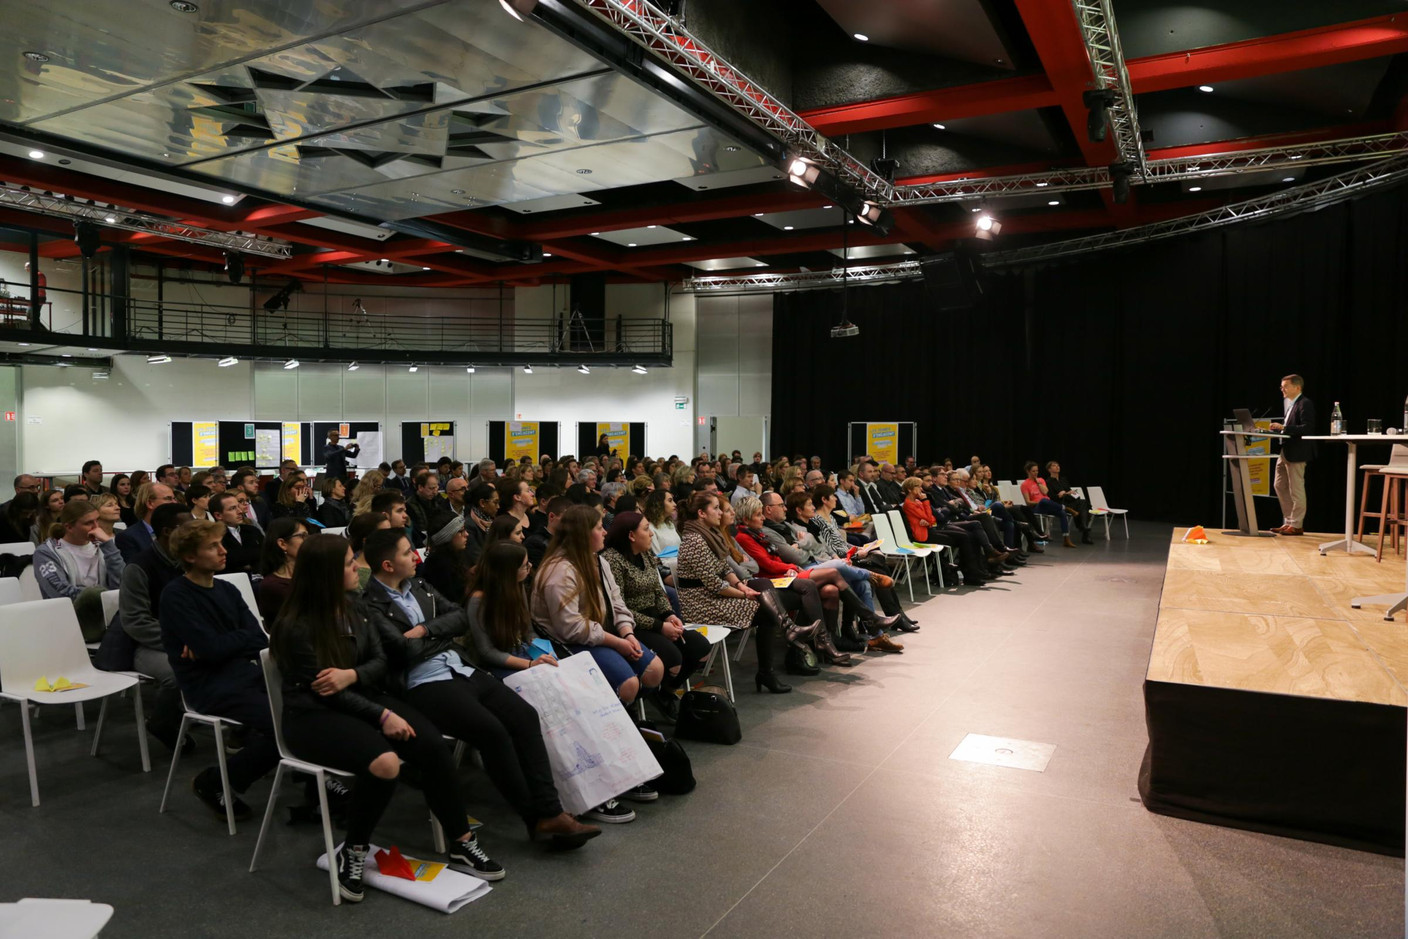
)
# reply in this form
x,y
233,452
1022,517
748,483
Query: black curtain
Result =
x,y
1123,364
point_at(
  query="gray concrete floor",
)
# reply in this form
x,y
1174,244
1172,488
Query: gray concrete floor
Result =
x,y
840,813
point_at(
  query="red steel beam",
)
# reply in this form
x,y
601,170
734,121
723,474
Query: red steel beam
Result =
x,y
941,104
1056,34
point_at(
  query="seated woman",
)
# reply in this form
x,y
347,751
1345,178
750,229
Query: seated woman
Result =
x,y
337,713
109,512
295,499
360,527
368,485
500,628
51,503
822,526
78,561
198,502
1019,516
122,487
1034,491
660,511
483,501
17,522
281,543
710,592
419,627
505,528
335,511
448,566
636,570
576,601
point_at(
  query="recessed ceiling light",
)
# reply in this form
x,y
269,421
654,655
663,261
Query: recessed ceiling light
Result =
x,y
65,162
730,149
36,154
596,233
228,200
584,172
786,227
36,57
413,368
1195,188
757,214
1288,179
352,366
939,127
384,261
650,226
291,363
639,369
686,238
1206,89
547,254
227,361
425,268
184,6
1054,202
828,207
977,209
456,192
527,369
862,37
631,244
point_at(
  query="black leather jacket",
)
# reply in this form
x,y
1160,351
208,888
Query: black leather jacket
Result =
x,y
370,666
444,621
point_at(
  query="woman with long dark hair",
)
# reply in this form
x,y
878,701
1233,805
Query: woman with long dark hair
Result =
x,y
276,561
637,573
122,487
338,713
500,627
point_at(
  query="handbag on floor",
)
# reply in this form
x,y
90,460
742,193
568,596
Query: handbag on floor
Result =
x,y
709,717
677,777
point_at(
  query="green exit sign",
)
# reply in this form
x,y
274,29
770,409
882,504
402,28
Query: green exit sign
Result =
x,y
679,405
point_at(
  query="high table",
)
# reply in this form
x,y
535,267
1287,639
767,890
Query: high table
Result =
x,y
1352,442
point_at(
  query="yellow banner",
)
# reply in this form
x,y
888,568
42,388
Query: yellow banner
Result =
x,y
1260,469
618,438
205,443
882,441
520,440
293,442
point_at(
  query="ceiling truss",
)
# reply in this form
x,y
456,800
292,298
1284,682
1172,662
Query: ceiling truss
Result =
x,y
803,280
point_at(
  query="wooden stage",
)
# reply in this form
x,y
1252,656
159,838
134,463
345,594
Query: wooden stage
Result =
x,y
1271,703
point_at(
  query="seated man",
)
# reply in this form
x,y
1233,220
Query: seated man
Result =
x,y
418,627
212,641
1060,488
92,477
139,600
138,538
243,542
246,481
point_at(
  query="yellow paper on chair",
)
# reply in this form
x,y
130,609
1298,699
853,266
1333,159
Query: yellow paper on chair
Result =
x,y
59,684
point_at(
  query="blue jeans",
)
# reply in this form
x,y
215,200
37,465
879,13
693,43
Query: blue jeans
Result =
x,y
1048,506
615,667
858,578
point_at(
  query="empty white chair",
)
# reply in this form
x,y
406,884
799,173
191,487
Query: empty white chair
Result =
x,y
890,548
1101,508
922,551
10,591
42,639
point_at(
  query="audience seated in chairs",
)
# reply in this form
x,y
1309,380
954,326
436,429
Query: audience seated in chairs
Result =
x,y
338,713
1060,489
138,538
139,603
78,561
212,642
483,501
418,627
198,502
1035,492
18,519
538,540
295,498
448,566
357,533
244,542
335,512
122,487
276,562
500,627
109,512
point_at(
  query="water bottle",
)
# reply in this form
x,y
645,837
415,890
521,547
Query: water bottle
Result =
x,y
1336,421
1404,428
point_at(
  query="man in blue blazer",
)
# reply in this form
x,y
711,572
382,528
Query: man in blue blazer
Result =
x,y
138,538
1295,453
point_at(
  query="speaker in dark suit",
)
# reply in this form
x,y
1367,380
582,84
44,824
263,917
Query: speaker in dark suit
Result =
x,y
1300,421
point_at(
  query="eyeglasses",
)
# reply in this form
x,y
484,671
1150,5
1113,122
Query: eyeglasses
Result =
x,y
296,535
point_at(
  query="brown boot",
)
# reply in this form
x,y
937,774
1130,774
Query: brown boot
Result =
x,y
883,643
1068,542
564,830
826,649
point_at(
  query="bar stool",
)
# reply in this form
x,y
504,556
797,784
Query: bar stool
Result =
x,y
1369,472
1392,504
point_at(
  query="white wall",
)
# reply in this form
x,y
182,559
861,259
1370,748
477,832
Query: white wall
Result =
x,y
735,368
124,421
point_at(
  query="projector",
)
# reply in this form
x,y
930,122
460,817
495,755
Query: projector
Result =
x,y
845,331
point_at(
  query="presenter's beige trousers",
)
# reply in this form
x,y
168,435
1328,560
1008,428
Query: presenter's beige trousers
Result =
x,y
1290,489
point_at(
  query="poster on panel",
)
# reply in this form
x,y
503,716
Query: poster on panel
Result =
x,y
205,443
882,442
520,440
618,437
293,441
1260,470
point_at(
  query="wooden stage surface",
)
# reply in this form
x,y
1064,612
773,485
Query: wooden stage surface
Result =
x,y
1272,615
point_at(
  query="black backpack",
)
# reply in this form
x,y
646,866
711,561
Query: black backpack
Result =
x,y
707,716
677,773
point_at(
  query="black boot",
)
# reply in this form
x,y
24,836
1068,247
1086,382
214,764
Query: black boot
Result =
x,y
847,639
869,621
826,649
794,633
800,662
771,682
765,628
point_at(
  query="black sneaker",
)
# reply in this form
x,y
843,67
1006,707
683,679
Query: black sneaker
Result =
x,y
645,792
351,861
207,788
847,644
167,736
468,857
610,812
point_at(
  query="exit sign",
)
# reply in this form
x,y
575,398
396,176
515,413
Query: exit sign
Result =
x,y
679,406
10,416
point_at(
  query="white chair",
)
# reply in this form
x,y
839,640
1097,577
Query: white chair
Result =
x,y
42,639
246,588
891,547
18,548
273,681
29,584
219,726
718,640
10,591
1012,492
1099,507
335,531
902,540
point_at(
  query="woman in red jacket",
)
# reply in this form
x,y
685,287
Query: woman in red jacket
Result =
x,y
917,511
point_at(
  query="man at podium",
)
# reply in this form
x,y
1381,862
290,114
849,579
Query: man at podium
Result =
x,y
1295,453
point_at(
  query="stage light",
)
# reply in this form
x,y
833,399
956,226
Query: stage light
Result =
x,y
158,359
353,366
873,215
802,171
1097,124
87,239
988,227
234,267
227,361
885,167
639,369
845,330
985,223
111,219
1119,180
291,363
527,369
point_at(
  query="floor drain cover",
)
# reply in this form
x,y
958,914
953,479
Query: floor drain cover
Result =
x,y
1004,751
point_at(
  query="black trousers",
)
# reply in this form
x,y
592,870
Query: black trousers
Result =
x,y
687,653
485,714
764,625
349,743
970,555
1082,508
260,754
